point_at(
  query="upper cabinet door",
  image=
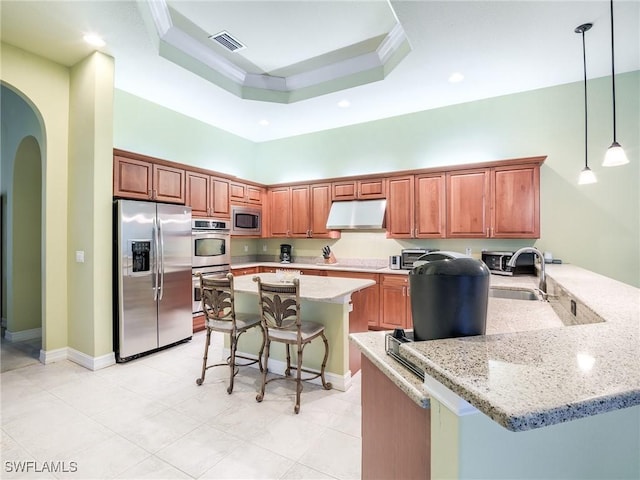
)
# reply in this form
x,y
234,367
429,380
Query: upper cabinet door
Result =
x,y
132,178
320,206
300,208
516,202
219,205
168,184
430,206
279,208
400,207
468,204
198,186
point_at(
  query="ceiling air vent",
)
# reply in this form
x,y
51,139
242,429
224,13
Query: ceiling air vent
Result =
x,y
227,41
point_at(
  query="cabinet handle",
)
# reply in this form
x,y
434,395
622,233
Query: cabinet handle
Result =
x,y
149,194
487,232
155,194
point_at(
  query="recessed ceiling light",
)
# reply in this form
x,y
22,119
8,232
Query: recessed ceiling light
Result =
x,y
264,122
344,103
456,77
94,40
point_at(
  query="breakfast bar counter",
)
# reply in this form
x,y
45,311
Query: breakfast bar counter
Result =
x,y
326,300
569,393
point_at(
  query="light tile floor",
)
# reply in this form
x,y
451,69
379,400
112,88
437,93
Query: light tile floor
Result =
x,y
147,419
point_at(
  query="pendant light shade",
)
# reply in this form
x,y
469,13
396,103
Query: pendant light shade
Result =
x,y
586,175
615,154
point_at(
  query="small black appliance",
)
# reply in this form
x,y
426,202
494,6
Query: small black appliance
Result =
x,y
285,253
449,298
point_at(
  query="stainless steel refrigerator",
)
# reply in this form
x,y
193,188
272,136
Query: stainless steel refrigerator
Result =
x,y
152,277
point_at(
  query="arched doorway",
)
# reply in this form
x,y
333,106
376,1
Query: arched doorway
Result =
x,y
22,223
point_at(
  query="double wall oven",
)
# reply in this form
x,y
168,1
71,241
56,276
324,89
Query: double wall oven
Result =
x,y
211,253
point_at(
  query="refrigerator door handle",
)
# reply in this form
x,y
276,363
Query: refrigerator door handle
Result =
x,y
161,234
155,263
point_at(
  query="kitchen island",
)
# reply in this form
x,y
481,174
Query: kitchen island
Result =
x,y
326,300
555,402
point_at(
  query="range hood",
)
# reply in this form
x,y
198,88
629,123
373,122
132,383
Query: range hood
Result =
x,y
357,214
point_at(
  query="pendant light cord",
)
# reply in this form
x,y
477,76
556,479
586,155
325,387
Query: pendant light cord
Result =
x,y
584,65
613,76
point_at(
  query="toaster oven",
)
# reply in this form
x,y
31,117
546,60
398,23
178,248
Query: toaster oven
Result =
x,y
410,255
497,263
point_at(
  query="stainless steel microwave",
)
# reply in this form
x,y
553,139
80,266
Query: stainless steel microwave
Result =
x,y
246,220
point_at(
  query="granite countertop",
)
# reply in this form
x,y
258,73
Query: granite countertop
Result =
x,y
544,373
315,288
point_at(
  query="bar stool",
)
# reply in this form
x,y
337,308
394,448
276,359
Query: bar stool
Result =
x,y
220,316
281,322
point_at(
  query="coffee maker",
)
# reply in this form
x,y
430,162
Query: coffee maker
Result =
x,y
285,253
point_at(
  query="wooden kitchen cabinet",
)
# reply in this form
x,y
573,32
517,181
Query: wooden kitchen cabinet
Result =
x,y
245,193
279,211
395,303
136,178
207,196
430,214
498,202
366,303
468,203
301,211
359,189
416,206
303,271
515,194
237,272
400,217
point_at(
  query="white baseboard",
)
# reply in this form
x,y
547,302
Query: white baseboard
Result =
x,y
75,356
92,363
278,367
23,335
51,356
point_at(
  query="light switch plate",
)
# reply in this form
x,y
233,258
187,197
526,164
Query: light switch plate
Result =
x,y
79,256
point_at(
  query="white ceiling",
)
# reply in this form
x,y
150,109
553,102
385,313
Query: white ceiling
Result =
x,y
500,47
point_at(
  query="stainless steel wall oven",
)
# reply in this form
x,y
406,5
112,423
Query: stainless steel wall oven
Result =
x,y
211,252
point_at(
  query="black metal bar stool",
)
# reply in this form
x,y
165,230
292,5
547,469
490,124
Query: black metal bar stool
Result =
x,y
281,322
220,316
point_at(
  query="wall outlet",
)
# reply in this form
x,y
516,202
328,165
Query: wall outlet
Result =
x,y
246,248
264,247
79,256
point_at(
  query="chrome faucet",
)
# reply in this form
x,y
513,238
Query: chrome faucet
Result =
x,y
543,278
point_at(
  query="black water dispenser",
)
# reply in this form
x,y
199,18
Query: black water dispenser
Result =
x,y
449,296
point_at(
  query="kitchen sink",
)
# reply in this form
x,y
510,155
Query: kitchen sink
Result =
x,y
514,294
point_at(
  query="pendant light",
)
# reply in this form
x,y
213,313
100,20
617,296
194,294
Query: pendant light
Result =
x,y
586,175
615,154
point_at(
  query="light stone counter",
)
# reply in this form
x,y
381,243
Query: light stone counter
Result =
x,y
536,378
314,288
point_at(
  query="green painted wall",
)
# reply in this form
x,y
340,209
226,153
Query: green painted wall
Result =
x,y
90,204
26,300
45,87
144,127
